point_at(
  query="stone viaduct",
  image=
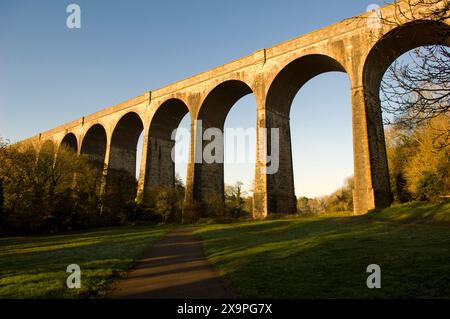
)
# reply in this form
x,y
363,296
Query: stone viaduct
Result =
x,y
360,47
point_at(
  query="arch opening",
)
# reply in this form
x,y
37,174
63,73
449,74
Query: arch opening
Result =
x,y
182,147
293,76
93,147
94,144
209,173
70,142
121,177
164,154
67,152
280,97
390,47
322,153
240,157
397,42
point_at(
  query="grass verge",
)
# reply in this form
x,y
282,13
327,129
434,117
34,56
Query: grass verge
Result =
x,y
35,267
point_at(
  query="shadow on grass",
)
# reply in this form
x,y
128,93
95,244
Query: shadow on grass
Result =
x,y
27,262
416,212
328,257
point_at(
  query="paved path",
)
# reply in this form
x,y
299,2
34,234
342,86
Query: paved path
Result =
x,y
174,267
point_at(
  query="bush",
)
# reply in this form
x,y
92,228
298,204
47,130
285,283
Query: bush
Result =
x,y
419,160
57,190
212,206
236,204
429,186
190,214
340,201
168,206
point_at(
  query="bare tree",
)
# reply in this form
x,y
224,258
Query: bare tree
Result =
x,y
417,89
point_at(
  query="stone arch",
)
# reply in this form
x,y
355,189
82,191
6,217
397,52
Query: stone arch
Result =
x,y
386,50
160,166
209,177
279,98
293,76
94,144
220,100
122,155
397,42
167,118
70,141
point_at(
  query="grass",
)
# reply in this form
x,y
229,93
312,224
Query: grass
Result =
x,y
416,212
35,267
327,257
308,257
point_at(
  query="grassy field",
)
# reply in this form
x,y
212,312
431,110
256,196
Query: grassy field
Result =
x,y
327,256
420,213
35,267
307,257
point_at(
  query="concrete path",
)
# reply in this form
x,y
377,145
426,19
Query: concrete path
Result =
x,y
174,267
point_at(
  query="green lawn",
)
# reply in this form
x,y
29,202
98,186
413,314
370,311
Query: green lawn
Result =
x,y
35,267
327,257
438,214
305,257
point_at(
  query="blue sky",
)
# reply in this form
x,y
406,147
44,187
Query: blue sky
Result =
x,y
50,74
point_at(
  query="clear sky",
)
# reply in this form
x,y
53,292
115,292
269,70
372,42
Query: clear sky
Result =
x,y
50,74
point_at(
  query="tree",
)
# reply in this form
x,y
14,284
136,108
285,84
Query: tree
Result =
x,y
399,150
339,201
417,90
234,198
45,191
427,169
342,199
168,205
179,185
304,205
414,93
418,170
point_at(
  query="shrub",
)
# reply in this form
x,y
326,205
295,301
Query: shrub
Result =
x,y
190,214
429,186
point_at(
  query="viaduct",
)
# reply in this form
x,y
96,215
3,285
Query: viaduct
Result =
x,y
361,46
